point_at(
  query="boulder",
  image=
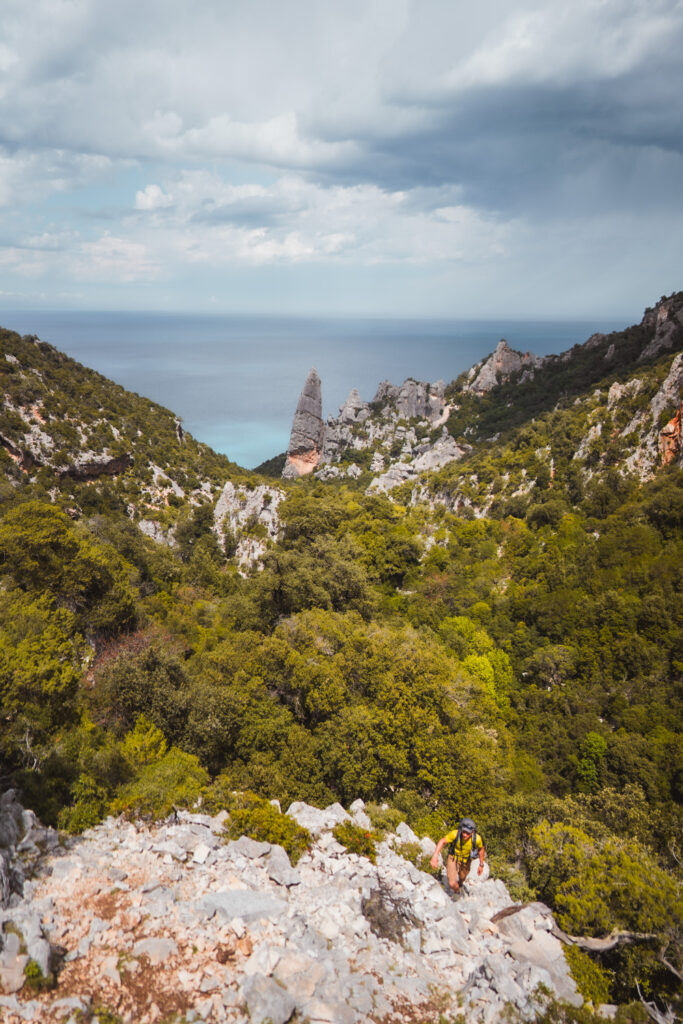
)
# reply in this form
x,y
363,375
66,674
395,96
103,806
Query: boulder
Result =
x,y
316,820
279,868
267,1002
243,903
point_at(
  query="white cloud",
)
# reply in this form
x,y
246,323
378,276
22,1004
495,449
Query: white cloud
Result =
x,y
121,259
294,220
152,198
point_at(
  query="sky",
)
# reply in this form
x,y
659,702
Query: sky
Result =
x,y
372,157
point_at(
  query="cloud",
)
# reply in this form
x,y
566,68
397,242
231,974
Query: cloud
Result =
x,y
152,198
295,220
121,259
378,132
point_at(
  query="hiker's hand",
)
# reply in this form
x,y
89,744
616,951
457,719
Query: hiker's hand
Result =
x,y
480,868
434,861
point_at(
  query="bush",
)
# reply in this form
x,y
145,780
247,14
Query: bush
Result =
x,y
592,980
252,816
383,817
141,677
388,915
89,807
177,780
412,852
356,839
34,979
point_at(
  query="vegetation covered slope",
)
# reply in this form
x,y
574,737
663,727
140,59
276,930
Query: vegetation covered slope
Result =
x,y
501,639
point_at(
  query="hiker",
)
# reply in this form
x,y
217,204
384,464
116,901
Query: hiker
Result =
x,y
461,841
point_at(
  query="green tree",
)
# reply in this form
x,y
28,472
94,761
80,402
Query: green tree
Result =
x,y
41,659
41,550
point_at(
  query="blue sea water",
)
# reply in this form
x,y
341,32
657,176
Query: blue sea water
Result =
x,y
235,380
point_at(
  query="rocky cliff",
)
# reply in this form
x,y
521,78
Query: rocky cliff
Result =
x,y
410,431
500,366
152,921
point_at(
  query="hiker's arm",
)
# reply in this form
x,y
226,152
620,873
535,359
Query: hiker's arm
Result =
x,y
437,852
482,854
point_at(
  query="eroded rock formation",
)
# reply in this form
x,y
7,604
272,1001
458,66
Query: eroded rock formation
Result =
x,y
500,366
670,439
306,439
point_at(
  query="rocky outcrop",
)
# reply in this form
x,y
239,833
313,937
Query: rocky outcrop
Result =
x,y
670,440
654,443
395,425
433,457
90,466
414,400
500,367
354,409
306,439
249,518
170,919
666,321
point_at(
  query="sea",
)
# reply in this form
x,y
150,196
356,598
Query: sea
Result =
x,y
235,380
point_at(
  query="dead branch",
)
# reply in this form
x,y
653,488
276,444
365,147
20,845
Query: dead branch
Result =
x,y
603,945
654,1013
669,967
508,911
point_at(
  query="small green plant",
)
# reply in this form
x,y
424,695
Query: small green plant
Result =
x,y
413,853
99,1013
35,980
383,817
356,839
252,816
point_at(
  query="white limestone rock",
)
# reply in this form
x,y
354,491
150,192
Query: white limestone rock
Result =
x,y
316,820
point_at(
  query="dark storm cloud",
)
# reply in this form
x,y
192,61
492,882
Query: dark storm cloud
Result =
x,y
517,147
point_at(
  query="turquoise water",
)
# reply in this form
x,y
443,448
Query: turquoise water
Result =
x,y
235,380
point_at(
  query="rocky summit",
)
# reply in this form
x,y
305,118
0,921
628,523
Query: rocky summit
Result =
x,y
305,442
169,921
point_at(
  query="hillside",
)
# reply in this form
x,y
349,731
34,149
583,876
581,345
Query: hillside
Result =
x,y
471,605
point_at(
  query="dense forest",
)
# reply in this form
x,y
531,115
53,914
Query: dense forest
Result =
x,y
503,640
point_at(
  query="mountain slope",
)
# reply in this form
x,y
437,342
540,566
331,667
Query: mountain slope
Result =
x,y
498,636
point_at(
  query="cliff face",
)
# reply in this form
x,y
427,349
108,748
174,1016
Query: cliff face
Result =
x,y
500,367
306,439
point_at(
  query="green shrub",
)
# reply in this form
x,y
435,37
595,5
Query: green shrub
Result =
x,y
90,803
104,1015
34,979
412,852
144,745
514,879
177,780
592,980
356,839
252,816
383,817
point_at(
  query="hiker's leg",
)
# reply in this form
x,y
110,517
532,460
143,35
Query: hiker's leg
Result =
x,y
452,874
463,870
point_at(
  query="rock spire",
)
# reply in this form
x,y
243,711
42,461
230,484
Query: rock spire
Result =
x,y
306,439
